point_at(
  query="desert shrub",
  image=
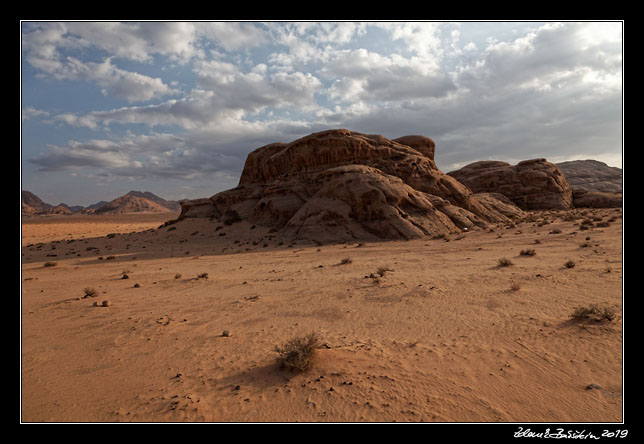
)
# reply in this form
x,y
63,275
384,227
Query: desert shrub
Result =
x,y
346,261
50,264
504,262
298,353
527,252
570,264
202,276
593,311
382,270
90,292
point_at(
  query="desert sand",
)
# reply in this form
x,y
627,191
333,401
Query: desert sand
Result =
x,y
426,330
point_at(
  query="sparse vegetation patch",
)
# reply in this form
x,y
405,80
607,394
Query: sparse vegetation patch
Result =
x,y
90,292
382,270
504,262
298,353
593,312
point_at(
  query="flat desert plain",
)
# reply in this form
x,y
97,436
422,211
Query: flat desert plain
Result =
x,y
426,330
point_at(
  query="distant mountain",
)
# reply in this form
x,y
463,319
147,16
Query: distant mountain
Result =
x,y
592,175
169,204
59,209
32,204
96,206
132,202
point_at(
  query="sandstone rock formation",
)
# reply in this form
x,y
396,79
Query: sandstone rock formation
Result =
x,y
592,175
594,184
343,185
531,184
596,199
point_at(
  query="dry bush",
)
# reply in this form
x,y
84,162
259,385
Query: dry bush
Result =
x,y
504,262
50,264
346,261
298,353
528,252
570,264
594,312
90,292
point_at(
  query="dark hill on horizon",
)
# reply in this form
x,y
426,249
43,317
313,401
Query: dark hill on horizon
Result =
x,y
132,202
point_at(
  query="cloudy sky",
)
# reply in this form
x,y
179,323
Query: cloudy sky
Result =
x,y
175,107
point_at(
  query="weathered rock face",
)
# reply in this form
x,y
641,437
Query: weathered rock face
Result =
x,y
422,144
594,184
596,199
531,184
342,185
592,175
